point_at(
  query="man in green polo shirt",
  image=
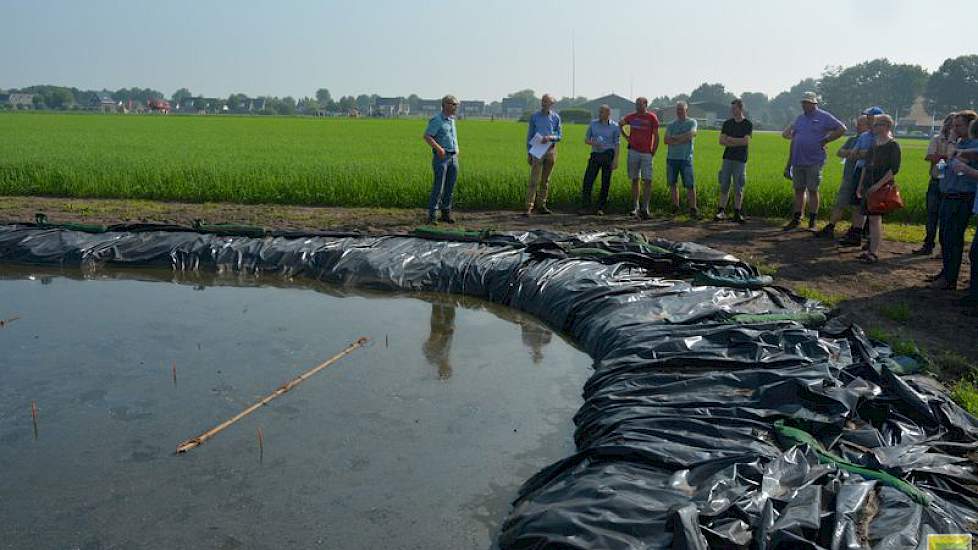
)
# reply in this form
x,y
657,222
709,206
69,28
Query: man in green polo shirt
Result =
x,y
679,160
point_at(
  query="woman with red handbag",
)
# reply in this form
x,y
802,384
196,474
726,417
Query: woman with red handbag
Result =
x,y
877,189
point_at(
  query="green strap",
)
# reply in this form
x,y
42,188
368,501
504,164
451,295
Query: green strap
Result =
x,y
431,231
41,219
234,229
807,318
801,437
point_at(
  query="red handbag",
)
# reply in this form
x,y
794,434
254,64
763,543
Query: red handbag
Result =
x,y
884,200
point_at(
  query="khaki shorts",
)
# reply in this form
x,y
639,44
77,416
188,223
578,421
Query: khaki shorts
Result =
x,y
806,177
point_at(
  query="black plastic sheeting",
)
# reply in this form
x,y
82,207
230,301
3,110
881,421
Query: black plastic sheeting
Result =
x,y
677,446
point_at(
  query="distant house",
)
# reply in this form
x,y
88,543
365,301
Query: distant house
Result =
x,y
513,107
472,109
133,106
708,114
390,107
186,105
918,122
102,101
202,105
21,101
429,107
620,106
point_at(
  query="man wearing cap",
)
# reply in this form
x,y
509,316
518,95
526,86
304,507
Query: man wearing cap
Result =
x,y
546,123
440,136
643,142
855,159
809,135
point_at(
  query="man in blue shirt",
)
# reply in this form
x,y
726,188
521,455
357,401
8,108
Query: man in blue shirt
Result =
x,y
679,159
546,123
603,135
440,136
809,134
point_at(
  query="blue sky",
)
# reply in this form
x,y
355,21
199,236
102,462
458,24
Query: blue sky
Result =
x,y
476,50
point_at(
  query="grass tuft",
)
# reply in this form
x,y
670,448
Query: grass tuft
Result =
x,y
898,312
828,299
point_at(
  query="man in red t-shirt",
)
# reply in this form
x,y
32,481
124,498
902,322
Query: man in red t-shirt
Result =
x,y
643,141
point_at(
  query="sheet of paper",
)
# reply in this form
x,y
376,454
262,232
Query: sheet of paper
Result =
x,y
538,147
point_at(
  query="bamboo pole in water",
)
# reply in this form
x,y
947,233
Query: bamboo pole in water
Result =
x,y
202,438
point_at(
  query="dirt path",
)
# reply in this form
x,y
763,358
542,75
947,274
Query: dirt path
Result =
x,y
890,295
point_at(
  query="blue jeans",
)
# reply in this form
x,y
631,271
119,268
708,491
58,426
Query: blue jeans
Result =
x,y
955,215
732,171
443,185
933,211
680,167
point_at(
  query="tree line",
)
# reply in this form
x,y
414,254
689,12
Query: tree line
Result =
x,y
845,91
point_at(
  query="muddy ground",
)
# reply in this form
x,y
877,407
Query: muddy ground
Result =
x,y
891,295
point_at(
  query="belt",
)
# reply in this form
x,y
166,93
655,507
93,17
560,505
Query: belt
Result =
x,y
630,148
958,196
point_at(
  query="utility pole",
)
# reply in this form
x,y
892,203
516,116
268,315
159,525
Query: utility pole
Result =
x,y
573,67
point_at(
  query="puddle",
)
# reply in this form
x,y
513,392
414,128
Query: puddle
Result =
x,y
421,440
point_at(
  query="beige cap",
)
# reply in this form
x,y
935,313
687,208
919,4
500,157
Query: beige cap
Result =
x,y
810,97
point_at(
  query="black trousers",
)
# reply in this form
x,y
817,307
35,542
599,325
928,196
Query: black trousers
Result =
x,y
955,215
598,161
933,212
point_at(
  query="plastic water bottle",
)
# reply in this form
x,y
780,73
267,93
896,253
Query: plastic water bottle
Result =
x,y
941,167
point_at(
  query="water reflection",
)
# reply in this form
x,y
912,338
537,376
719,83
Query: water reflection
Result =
x,y
535,337
438,347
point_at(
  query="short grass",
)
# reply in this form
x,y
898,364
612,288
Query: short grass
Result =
x,y
826,298
898,312
347,162
899,344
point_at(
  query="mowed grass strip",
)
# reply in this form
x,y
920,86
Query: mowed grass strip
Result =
x,y
356,162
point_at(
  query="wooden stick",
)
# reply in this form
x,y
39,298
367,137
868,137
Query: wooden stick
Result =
x,y
202,438
261,446
5,322
173,369
34,416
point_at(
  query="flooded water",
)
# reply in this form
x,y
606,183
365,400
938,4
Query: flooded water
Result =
x,y
421,440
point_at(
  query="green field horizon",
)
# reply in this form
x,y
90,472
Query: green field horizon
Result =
x,y
358,162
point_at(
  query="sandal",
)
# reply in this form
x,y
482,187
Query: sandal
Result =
x,y
869,257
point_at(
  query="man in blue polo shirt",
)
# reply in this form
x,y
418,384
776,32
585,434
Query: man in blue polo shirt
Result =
x,y
546,123
809,134
440,136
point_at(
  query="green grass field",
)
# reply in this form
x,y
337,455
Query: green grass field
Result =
x,y
345,162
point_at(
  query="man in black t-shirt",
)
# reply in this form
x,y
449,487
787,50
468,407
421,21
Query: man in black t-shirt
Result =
x,y
735,137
